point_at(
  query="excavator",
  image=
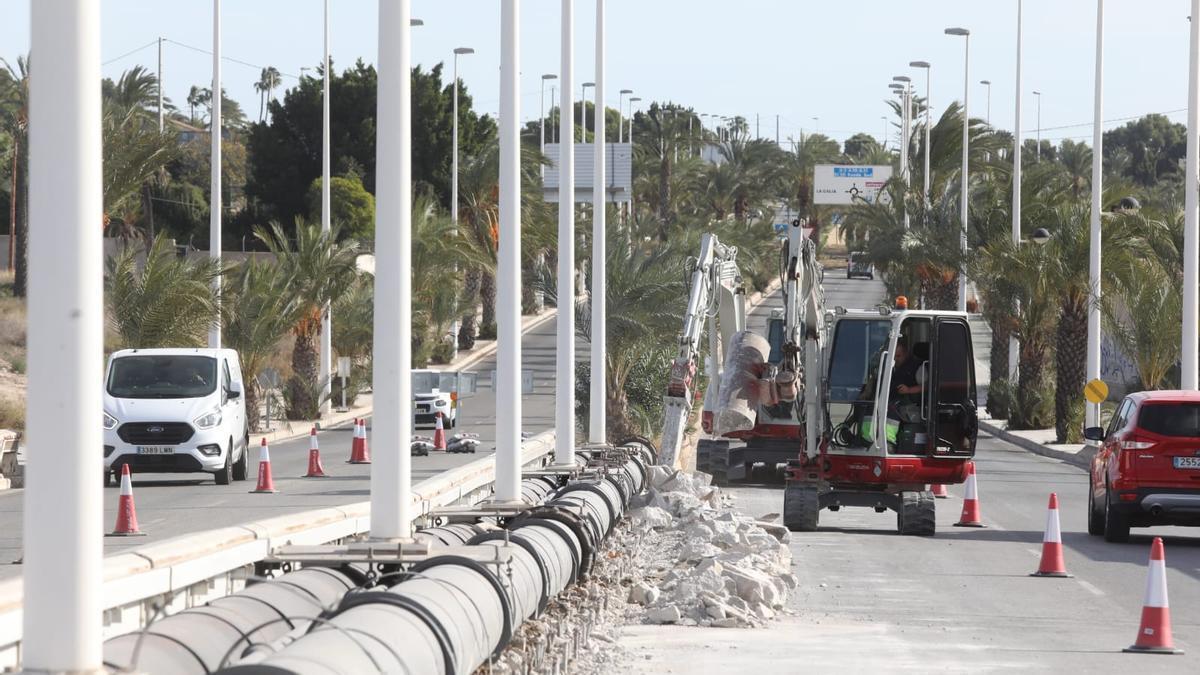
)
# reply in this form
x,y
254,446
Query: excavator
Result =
x,y
858,407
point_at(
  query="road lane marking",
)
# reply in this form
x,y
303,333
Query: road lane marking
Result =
x,y
1090,588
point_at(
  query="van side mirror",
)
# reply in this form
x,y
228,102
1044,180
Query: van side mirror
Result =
x,y
235,391
1093,434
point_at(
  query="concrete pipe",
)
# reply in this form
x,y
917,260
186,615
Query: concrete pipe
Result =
x,y
455,534
600,501
535,490
570,527
198,640
447,615
644,446
525,578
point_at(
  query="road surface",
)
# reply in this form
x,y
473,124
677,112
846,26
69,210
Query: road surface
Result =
x,y
172,504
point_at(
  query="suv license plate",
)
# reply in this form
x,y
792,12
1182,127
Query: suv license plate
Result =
x,y
1187,462
164,450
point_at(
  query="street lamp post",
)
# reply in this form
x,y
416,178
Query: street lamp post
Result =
x,y
1093,342
564,403
214,215
583,109
326,356
633,100
508,276
1191,227
1038,94
905,134
597,422
621,114
460,51
885,130
1014,345
928,121
988,84
965,189
542,113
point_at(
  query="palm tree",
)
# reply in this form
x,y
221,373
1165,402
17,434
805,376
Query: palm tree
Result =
x,y
14,105
135,156
1144,321
136,89
646,285
195,97
167,301
259,309
319,269
268,81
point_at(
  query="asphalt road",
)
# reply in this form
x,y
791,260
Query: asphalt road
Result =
x,y
173,504
870,600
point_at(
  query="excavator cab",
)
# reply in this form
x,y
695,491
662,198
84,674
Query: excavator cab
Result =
x,y
899,403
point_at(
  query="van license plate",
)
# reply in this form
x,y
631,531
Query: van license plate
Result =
x,y
1187,462
155,450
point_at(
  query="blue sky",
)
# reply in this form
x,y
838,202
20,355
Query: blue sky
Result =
x,y
798,59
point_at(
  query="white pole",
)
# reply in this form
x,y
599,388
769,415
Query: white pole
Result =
x,y
1093,341
455,326
1191,229
907,147
620,112
597,429
326,220
966,178
542,120
1039,125
214,132
564,401
508,276
1014,345
391,474
160,87
63,503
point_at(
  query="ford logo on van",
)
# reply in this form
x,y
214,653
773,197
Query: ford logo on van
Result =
x,y
155,429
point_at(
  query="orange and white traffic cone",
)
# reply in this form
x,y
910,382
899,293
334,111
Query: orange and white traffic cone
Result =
x,y
939,491
1154,635
1052,564
315,470
127,525
265,483
439,433
970,511
359,454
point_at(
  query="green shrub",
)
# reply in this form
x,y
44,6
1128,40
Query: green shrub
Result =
x,y
487,332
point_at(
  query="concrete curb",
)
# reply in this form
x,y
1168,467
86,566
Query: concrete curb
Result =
x,y
528,323
1082,459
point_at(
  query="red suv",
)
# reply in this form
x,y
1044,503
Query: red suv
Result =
x,y
1147,471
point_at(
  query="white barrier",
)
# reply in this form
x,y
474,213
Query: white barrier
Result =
x,y
192,569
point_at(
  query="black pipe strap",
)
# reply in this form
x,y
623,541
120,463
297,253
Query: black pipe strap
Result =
x,y
415,608
529,548
476,566
574,524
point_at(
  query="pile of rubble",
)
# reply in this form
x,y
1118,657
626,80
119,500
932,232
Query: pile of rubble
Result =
x,y
700,562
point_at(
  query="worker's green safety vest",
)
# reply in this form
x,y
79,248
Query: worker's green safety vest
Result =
x,y
891,429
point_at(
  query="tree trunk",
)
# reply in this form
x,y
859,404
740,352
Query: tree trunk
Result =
x,y
253,414
664,189
21,231
941,295
1030,371
487,295
1070,365
470,295
999,365
304,385
618,425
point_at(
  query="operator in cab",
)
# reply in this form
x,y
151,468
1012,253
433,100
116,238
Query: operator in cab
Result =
x,y
905,387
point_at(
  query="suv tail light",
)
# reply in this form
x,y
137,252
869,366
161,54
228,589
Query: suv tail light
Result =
x,y
1137,443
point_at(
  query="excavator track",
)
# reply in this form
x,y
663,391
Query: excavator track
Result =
x,y
801,508
916,516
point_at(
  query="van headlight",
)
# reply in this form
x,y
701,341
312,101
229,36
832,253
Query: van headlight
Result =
x,y
109,421
209,420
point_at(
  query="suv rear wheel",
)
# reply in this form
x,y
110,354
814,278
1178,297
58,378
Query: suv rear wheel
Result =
x,y
1095,516
224,475
1116,524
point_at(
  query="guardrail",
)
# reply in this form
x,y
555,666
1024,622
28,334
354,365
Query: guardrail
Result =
x,y
189,570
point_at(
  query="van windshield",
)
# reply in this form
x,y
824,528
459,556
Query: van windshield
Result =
x,y
1171,419
162,376
424,382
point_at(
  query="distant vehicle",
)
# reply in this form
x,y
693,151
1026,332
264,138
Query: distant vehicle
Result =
x,y
175,411
1147,471
857,265
440,391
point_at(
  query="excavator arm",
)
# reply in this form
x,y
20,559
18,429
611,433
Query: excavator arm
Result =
x,y
716,303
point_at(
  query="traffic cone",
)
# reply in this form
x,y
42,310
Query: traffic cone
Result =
x,y
359,453
939,491
439,433
1052,564
127,525
1154,635
970,512
315,470
265,483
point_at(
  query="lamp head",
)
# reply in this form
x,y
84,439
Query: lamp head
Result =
x,y
464,50
1040,236
919,64
961,32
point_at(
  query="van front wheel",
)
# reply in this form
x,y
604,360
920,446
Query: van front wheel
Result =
x,y
225,474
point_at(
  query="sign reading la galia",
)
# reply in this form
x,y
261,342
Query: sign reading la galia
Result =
x,y
848,183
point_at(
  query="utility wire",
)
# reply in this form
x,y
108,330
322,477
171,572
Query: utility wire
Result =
x,y
129,53
225,58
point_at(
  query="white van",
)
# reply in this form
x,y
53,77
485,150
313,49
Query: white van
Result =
x,y
440,391
175,411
